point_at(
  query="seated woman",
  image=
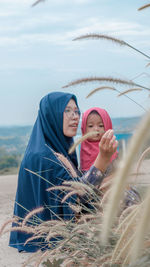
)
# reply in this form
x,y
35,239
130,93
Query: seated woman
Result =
x,y
53,132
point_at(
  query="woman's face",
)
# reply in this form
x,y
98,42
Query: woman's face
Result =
x,y
71,118
95,123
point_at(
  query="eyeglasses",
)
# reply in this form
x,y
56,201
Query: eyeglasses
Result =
x,y
69,112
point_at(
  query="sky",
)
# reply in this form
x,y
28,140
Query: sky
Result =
x,y
38,55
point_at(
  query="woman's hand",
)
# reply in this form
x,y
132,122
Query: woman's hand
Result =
x,y
108,146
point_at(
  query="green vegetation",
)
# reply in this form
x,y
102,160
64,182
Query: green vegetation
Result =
x,y
13,141
9,163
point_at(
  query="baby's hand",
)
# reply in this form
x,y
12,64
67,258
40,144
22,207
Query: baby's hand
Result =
x,y
108,144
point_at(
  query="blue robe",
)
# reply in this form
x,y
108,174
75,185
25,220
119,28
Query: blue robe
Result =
x,y
47,135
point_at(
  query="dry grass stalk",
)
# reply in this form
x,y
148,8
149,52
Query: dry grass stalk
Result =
x,y
148,64
105,79
30,214
67,164
39,176
100,36
142,227
79,186
127,231
125,252
143,7
105,87
37,2
15,220
125,216
41,258
75,208
89,217
121,176
80,140
59,187
146,151
98,89
109,38
74,192
25,229
100,79
32,238
32,258
130,90
106,183
105,198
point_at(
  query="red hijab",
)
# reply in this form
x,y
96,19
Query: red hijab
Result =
x,y
89,149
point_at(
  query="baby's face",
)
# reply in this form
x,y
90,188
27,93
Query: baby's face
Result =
x,y
95,123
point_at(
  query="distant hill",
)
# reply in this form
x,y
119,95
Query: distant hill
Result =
x,y
13,139
125,125
121,125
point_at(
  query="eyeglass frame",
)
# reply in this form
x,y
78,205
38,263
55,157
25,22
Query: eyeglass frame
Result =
x,y
73,112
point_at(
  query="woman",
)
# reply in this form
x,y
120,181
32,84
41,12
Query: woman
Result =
x,y
53,131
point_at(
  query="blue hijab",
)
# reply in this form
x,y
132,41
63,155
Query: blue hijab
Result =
x,y
47,136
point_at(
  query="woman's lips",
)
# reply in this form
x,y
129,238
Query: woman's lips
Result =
x,y
75,125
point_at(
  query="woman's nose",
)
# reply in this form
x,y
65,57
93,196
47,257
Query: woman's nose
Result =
x,y
75,115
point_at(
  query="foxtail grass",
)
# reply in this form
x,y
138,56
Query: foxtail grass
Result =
x,y
67,164
129,91
98,89
80,140
114,89
148,64
4,225
126,228
121,176
100,79
31,214
37,2
144,7
143,227
110,38
142,157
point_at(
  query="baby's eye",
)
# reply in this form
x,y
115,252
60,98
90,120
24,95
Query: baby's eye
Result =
x,y
90,126
101,126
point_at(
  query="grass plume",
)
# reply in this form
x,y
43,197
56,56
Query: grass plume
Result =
x,y
105,79
121,176
145,152
114,89
80,140
143,227
30,214
98,89
100,79
130,90
148,64
37,2
109,38
143,7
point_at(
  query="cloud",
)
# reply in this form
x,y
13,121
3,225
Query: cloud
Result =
x,y
31,24
119,29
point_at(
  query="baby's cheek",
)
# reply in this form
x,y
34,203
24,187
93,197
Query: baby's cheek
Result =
x,y
101,134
